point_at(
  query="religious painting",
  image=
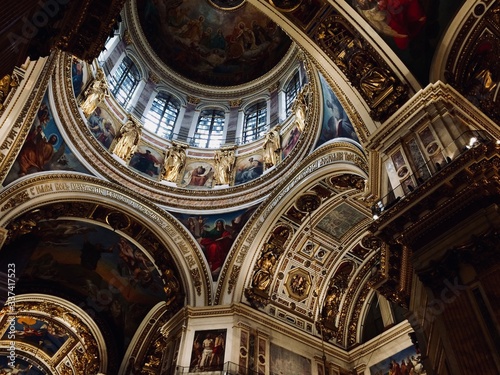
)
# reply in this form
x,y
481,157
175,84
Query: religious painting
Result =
x,y
44,148
405,362
212,45
248,168
107,276
198,175
339,220
336,124
101,125
147,160
208,350
21,366
412,28
78,75
46,335
215,234
290,140
284,361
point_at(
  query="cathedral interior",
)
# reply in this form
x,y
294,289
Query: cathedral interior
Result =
x,y
297,187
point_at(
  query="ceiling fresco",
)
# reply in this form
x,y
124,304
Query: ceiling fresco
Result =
x,y
412,28
213,46
107,275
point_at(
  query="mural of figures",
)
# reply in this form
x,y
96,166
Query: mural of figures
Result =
x,y
208,351
45,335
238,50
405,362
215,234
248,169
101,124
198,175
147,160
44,148
115,279
291,140
283,361
336,124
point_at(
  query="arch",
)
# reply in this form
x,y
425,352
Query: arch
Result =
x,y
25,199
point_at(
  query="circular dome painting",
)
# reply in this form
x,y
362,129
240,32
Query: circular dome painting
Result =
x,y
212,45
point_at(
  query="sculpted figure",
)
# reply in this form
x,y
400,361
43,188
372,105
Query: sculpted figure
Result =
x,y
175,159
224,163
130,133
95,94
266,264
6,84
272,147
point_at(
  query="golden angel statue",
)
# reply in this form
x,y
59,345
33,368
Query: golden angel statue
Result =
x,y
95,94
224,164
130,132
175,159
272,147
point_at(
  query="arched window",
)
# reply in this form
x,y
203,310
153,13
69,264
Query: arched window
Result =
x,y
162,115
291,91
210,129
255,125
124,82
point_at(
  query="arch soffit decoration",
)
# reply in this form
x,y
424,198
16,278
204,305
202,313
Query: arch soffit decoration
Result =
x,y
330,160
164,232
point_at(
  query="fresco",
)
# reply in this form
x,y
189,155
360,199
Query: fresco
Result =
x,y
147,160
338,221
336,124
77,76
412,28
210,45
44,335
21,367
110,278
405,362
248,169
215,234
44,148
283,361
208,350
102,126
290,140
198,175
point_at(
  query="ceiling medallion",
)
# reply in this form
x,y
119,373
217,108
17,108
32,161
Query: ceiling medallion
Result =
x,y
227,4
286,5
308,202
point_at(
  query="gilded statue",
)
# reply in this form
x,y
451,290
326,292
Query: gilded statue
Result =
x,y
95,94
266,266
224,164
272,147
6,84
300,108
130,133
175,159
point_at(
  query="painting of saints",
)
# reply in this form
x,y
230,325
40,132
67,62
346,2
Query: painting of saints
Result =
x,y
146,161
198,175
248,170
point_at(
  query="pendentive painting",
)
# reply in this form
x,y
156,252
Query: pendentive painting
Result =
x,y
405,362
44,148
215,234
208,350
284,361
106,274
336,124
212,45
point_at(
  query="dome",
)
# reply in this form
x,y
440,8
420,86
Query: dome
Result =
x,y
217,43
